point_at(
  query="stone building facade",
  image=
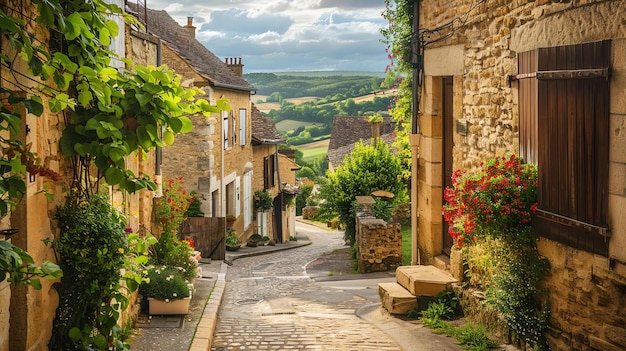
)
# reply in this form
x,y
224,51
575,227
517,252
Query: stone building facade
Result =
x,y
26,314
215,158
474,106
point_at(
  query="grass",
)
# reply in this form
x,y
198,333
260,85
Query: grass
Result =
x,y
313,150
288,125
406,245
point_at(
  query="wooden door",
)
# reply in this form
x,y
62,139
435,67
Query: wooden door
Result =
x,y
448,142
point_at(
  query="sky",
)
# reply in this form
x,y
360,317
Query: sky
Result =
x,y
288,35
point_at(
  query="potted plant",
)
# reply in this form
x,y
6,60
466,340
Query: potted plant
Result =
x,y
166,290
232,241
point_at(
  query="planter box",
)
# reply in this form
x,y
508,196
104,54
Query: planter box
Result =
x,y
180,306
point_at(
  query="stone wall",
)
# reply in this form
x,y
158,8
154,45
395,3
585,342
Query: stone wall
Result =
x,y
588,292
309,212
378,244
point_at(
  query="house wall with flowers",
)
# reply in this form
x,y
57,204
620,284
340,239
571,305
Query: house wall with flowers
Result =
x,y
479,51
29,312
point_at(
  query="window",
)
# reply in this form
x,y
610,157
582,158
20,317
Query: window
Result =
x,y
234,128
243,115
225,123
564,128
247,199
268,171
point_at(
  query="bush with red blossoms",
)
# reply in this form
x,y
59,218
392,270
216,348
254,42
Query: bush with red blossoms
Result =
x,y
171,207
495,201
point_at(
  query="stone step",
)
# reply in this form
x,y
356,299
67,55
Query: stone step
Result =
x,y
424,280
395,298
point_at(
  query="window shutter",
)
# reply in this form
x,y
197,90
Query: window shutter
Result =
x,y
243,116
225,127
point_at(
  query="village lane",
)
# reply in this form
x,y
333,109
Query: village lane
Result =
x,y
272,302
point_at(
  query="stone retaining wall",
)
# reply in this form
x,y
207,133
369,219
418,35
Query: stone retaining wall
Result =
x,y
379,244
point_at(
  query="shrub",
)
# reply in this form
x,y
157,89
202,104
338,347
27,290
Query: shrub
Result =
x,y
165,283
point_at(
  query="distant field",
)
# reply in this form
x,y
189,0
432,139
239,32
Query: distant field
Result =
x,y
268,106
313,150
289,125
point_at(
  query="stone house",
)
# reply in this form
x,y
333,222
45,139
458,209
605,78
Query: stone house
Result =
x,y
215,159
348,130
26,315
545,80
278,178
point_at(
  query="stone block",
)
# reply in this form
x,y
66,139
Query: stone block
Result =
x,y
424,280
395,298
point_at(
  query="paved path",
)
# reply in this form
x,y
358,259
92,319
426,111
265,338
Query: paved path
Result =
x,y
271,302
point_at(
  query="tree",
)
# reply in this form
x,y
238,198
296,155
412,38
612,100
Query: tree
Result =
x,y
368,168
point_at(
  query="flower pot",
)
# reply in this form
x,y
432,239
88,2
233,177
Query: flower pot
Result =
x,y
180,306
232,248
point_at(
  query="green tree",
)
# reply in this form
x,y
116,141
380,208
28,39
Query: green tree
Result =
x,y
368,168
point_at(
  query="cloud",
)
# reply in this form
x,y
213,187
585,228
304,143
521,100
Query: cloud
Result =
x,y
284,35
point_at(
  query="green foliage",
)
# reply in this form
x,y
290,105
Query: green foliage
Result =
x,y
368,168
294,86
165,283
232,239
109,114
93,249
445,307
474,337
323,112
382,209
301,199
174,253
171,208
18,268
494,207
194,207
262,200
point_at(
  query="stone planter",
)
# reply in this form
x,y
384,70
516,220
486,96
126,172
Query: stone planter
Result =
x,y
180,306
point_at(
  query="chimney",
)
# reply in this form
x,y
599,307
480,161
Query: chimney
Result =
x,y
190,28
235,65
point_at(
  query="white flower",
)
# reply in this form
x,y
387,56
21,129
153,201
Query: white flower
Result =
x,y
174,294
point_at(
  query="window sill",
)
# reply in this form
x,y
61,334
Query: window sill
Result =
x,y
568,231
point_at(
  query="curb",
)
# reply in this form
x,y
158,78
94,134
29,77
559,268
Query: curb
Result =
x,y
203,337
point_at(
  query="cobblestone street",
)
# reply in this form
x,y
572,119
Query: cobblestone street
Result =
x,y
272,302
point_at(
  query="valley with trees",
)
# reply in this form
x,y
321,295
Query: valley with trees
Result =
x,y
304,104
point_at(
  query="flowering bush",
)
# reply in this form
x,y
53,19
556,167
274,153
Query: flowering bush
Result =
x,y
171,207
494,201
165,283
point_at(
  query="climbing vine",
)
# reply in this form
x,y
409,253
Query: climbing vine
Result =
x,y
107,114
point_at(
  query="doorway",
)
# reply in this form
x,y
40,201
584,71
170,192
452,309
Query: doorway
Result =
x,y
448,142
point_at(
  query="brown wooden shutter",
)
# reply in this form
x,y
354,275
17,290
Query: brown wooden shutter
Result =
x,y
564,130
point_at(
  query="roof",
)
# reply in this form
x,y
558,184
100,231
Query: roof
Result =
x,y
350,129
176,37
263,129
336,156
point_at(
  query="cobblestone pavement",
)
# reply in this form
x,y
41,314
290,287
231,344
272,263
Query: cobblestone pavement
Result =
x,y
271,303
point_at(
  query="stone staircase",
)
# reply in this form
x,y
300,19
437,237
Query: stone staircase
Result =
x,y
413,282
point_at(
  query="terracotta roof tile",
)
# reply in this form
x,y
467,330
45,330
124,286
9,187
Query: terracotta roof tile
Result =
x,y
162,25
263,129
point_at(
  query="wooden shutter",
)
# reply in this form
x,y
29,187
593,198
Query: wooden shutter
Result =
x,y
564,116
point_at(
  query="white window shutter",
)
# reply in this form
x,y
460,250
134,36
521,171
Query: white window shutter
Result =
x,y
243,119
225,128
237,196
247,199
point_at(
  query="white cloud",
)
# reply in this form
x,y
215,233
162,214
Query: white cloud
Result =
x,y
283,35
